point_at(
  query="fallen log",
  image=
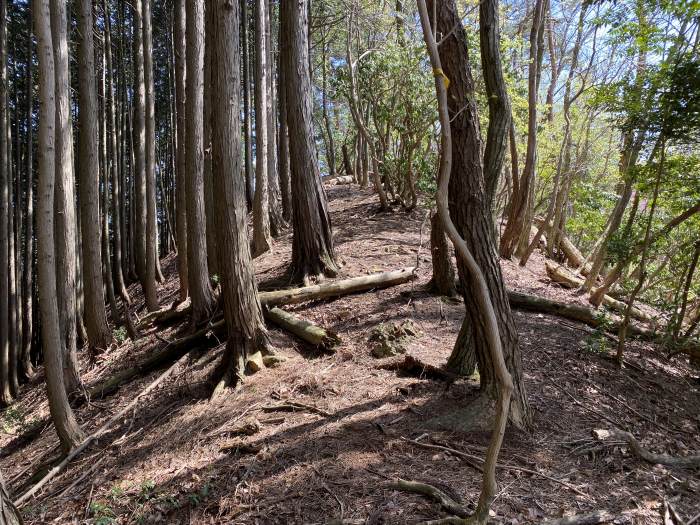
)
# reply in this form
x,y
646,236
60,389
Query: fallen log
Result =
x,y
337,288
172,351
303,294
591,317
306,330
565,278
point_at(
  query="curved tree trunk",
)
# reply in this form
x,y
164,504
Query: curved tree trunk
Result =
x,y
198,272
312,241
99,335
67,427
65,199
180,153
471,194
242,309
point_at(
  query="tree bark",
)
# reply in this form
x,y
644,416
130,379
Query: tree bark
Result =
x,y
212,258
471,197
198,272
66,426
277,222
28,275
247,119
139,202
242,311
312,242
99,335
180,151
443,280
66,224
261,207
114,164
152,264
6,394
283,143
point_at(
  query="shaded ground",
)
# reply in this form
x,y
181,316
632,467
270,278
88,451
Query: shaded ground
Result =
x,y
171,460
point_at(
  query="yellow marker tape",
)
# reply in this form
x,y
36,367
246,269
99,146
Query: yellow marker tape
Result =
x,y
440,73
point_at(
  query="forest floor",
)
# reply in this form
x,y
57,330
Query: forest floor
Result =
x,y
173,460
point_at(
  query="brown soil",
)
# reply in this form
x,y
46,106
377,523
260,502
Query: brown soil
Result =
x,y
173,461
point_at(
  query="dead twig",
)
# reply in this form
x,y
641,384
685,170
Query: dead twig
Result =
x,y
449,504
295,405
591,518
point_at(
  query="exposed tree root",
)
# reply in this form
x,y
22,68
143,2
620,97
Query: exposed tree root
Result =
x,y
692,461
413,367
434,493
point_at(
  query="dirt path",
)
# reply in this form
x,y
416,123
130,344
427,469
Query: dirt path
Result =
x,y
172,461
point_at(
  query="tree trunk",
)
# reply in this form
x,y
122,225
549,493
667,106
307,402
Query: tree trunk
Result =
x,y
283,143
518,224
139,202
247,110
246,330
180,152
312,242
65,199
5,395
28,275
99,335
212,258
471,195
9,515
261,214
152,264
198,271
67,427
277,222
443,280
114,164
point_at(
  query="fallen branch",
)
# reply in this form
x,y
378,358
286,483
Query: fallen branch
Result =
x,y
95,435
692,461
306,330
291,406
592,518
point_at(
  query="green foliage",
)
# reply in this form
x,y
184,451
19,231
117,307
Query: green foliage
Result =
x,y
102,513
120,335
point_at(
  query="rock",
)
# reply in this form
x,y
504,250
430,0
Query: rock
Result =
x,y
255,363
272,361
